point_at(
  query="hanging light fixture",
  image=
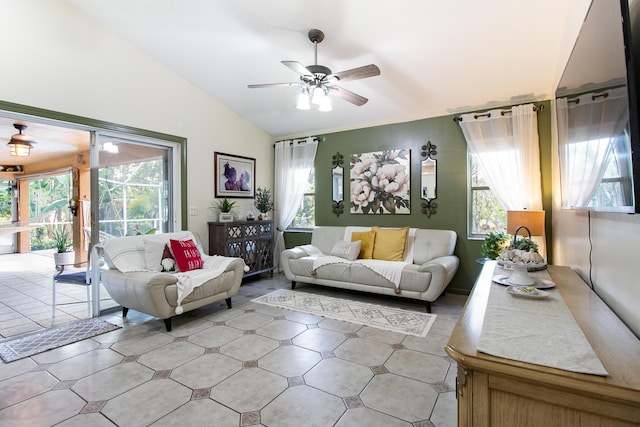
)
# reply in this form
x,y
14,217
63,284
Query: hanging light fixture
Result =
x,y
303,99
325,103
20,144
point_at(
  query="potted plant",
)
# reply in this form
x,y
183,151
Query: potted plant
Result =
x,y
494,243
225,206
263,202
62,243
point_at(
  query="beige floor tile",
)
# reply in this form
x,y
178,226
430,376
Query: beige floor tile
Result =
x,y
412,401
365,417
339,377
206,371
364,352
421,366
200,413
171,355
290,361
112,381
240,393
19,388
52,407
303,406
146,403
249,347
319,339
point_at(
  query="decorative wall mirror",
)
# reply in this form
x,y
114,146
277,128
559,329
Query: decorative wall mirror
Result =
x,y
337,184
428,179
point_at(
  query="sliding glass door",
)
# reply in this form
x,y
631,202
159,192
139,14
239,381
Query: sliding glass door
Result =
x,y
135,188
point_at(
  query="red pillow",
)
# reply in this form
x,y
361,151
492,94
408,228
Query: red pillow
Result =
x,y
186,254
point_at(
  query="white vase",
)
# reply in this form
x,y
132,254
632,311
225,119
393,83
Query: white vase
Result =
x,y
64,258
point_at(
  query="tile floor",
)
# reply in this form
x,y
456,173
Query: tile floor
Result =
x,y
253,365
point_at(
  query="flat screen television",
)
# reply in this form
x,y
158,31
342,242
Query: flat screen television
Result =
x,y
597,112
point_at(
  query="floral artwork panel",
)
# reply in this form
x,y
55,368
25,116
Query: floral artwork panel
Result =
x,y
380,182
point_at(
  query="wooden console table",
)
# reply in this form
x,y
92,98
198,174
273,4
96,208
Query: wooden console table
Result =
x,y
494,391
250,240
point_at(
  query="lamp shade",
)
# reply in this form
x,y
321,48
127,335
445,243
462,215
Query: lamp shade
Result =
x,y
533,220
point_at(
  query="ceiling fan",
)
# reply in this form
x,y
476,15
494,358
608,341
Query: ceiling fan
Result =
x,y
318,82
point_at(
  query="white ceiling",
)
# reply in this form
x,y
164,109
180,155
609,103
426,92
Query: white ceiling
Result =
x,y
436,57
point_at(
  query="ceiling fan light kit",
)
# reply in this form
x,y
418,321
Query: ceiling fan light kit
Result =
x,y
318,83
20,145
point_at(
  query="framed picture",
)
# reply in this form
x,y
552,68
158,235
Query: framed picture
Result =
x,y
380,182
234,176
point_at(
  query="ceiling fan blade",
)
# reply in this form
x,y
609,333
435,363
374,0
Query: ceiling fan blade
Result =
x,y
273,85
349,96
356,73
298,68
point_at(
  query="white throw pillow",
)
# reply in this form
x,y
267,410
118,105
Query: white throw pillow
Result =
x,y
153,250
346,250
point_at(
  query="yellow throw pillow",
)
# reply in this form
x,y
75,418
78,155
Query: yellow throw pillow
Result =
x,y
368,239
389,244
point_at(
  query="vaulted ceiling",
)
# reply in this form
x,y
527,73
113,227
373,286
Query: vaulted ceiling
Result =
x,y
436,57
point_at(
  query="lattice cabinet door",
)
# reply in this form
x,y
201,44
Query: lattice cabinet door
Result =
x,y
250,240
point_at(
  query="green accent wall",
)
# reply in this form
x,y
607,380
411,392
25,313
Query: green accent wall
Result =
x,y
451,182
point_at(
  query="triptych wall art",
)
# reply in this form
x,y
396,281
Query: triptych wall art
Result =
x,y
380,182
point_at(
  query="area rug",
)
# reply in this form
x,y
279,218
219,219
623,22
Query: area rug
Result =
x,y
374,315
28,345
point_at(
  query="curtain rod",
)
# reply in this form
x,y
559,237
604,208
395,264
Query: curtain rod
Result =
x,y
503,112
300,140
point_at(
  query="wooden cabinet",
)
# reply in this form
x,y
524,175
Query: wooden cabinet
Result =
x,y
494,391
250,240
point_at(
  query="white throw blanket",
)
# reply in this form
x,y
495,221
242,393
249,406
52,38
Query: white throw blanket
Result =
x,y
390,270
213,267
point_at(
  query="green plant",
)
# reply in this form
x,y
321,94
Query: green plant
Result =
x,y
525,244
61,240
494,243
225,205
263,200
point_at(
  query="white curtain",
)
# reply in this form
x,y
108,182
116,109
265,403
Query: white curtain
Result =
x,y
293,163
505,145
585,127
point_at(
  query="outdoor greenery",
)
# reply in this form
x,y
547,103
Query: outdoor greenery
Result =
x,y
130,198
487,213
48,201
5,201
305,216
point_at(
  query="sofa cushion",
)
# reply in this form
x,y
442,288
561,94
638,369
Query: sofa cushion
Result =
x,y
367,239
127,254
186,254
347,250
153,251
389,243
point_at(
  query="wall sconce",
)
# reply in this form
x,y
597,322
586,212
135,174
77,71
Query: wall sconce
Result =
x,y
73,207
531,221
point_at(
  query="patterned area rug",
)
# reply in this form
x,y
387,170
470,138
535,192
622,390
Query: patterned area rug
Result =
x,y
27,345
376,316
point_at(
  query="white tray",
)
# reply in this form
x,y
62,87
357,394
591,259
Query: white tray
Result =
x,y
517,291
538,283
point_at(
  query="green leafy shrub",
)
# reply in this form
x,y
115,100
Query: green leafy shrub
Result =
x,y
494,243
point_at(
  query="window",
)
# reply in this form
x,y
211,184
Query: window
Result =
x,y
486,213
615,187
306,215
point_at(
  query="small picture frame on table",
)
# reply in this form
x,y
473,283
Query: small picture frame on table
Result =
x,y
225,217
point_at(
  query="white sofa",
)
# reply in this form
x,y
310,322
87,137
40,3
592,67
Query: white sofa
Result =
x,y
428,266
135,280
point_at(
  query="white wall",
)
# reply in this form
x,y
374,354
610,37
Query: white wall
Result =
x,y
614,269
57,59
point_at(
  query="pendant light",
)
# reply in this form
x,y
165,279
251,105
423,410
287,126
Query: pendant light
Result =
x,y
20,144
